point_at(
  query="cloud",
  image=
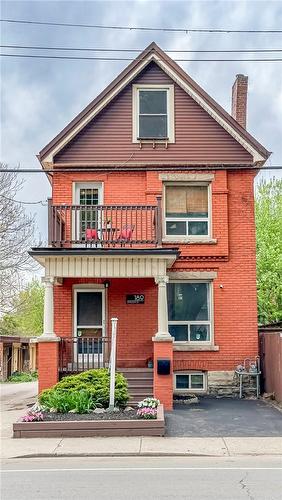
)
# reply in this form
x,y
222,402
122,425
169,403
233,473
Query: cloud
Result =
x,y
40,97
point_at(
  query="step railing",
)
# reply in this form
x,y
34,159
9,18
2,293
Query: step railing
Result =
x,y
79,354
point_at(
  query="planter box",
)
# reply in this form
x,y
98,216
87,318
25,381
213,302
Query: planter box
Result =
x,y
91,428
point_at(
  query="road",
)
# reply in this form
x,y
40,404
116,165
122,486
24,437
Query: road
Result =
x,y
150,478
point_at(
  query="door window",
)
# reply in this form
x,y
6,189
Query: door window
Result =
x,y
89,323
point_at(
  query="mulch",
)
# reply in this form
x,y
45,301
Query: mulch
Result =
x,y
129,415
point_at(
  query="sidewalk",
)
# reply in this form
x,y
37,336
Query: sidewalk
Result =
x,y
140,446
15,399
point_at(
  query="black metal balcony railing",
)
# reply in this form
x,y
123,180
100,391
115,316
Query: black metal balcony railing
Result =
x,y
104,225
78,354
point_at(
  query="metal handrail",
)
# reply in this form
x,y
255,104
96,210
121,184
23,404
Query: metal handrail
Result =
x,y
79,354
70,224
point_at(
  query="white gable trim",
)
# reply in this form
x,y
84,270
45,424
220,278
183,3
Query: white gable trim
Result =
x,y
197,98
190,91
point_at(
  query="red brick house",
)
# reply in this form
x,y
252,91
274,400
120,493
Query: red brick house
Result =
x,y
151,221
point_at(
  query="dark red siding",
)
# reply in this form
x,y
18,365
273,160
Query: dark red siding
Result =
x,y
108,137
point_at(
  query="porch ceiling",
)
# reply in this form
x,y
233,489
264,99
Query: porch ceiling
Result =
x,y
126,263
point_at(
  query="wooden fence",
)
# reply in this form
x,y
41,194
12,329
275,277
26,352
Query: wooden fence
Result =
x,y
271,361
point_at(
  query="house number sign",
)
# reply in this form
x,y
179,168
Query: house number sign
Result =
x,y
135,298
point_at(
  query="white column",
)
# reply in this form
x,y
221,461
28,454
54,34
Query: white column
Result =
x,y
48,322
163,332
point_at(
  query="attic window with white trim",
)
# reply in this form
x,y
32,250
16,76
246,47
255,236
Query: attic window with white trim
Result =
x,y
153,113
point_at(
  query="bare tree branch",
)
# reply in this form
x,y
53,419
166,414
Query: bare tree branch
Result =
x,y
16,237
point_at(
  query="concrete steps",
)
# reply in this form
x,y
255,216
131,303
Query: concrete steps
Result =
x,y
140,383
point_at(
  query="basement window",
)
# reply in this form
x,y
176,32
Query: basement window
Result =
x,y
189,381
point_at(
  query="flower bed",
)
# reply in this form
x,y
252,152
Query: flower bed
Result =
x,y
78,405
90,427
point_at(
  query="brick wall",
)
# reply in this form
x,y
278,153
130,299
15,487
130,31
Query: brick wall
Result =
x,y
233,257
48,359
137,322
142,188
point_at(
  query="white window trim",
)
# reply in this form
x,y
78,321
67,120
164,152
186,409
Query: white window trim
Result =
x,y
209,322
170,111
76,186
190,372
208,219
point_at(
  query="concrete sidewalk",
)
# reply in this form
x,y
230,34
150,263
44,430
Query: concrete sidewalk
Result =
x,y
15,399
140,446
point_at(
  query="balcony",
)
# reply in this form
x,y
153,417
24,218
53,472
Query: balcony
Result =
x,y
105,226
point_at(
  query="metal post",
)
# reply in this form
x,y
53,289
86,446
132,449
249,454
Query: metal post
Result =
x,y
113,363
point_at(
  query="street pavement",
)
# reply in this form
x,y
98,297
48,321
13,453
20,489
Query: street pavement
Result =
x,y
155,478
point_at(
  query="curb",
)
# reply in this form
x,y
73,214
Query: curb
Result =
x,y
145,454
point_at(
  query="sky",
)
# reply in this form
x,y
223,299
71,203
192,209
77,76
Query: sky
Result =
x,y
39,97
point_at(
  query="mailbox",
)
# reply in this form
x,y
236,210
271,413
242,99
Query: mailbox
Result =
x,y
163,366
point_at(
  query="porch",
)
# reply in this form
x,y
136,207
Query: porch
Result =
x,y
83,291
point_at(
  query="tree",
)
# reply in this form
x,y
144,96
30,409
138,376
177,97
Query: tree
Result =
x,y
27,315
16,237
269,247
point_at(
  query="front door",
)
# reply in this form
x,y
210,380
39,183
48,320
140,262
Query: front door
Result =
x,y
89,328
88,196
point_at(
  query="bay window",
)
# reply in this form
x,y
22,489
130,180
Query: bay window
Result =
x,y
189,311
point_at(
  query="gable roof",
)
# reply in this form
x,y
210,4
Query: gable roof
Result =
x,y
155,54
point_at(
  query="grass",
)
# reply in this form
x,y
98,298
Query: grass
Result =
x,y
23,377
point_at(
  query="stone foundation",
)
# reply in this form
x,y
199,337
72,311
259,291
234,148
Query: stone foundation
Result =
x,y
226,384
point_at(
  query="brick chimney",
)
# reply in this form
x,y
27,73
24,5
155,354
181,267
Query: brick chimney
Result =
x,y
239,99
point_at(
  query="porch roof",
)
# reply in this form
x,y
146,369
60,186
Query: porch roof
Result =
x,y
105,262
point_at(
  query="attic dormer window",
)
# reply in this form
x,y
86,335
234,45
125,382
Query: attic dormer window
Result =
x,y
153,113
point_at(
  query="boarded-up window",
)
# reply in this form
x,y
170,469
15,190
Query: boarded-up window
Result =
x,y
186,210
186,201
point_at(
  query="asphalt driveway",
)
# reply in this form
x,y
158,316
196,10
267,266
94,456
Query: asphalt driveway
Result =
x,y
15,399
224,417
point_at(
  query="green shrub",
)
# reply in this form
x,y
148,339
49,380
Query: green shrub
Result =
x,y
23,377
85,391
63,402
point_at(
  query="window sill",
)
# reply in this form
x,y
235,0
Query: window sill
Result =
x,y
187,392
193,347
153,139
191,241
153,142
